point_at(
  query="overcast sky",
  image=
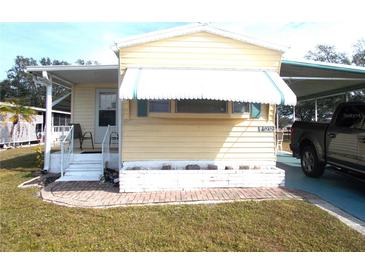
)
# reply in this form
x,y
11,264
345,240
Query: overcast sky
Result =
x,y
92,41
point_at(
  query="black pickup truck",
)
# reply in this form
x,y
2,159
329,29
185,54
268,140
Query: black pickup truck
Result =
x,y
340,143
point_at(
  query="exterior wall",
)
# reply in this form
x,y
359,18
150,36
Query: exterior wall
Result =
x,y
83,110
203,50
209,139
201,137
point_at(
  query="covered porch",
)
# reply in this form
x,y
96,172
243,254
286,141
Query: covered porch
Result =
x,y
90,142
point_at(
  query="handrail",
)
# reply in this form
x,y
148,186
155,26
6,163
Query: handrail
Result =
x,y
67,145
105,149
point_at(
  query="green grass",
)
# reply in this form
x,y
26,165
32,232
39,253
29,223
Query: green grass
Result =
x,y
29,224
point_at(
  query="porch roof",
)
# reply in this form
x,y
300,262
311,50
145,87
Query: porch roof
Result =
x,y
69,74
213,84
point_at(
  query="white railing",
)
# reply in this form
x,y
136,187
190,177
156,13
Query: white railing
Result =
x,y
105,149
67,148
59,133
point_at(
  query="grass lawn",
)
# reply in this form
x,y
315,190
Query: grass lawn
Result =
x,y
29,224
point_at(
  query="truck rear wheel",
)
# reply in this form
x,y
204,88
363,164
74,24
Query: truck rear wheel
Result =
x,y
310,163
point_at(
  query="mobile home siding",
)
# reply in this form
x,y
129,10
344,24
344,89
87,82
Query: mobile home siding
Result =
x,y
203,50
150,138
194,138
84,104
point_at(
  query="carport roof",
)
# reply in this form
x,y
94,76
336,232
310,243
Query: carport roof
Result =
x,y
311,79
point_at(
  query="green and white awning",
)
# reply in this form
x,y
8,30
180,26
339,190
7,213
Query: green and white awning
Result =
x,y
264,87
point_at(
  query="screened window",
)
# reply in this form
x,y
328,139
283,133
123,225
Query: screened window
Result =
x,y
240,107
159,106
201,106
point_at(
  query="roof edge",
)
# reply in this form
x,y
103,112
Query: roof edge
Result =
x,y
194,28
324,65
36,108
70,67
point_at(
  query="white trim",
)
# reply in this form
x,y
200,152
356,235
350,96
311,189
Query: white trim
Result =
x,y
193,28
69,68
37,108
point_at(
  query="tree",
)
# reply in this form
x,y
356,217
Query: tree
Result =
x,y
15,112
326,106
46,61
19,83
328,53
82,62
358,57
285,114
5,89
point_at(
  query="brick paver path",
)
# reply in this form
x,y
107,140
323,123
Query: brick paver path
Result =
x,y
94,194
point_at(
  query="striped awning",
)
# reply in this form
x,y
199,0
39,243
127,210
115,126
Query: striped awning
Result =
x,y
213,84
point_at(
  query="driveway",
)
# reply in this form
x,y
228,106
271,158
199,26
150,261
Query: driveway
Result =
x,y
338,189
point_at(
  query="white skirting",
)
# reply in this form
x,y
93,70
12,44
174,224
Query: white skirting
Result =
x,y
160,180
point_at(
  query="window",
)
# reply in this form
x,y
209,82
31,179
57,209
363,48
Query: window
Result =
x,y
107,109
240,107
351,117
159,106
106,117
201,106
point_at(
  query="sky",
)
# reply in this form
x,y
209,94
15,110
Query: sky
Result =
x,y
93,41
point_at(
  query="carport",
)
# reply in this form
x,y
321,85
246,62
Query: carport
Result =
x,y
321,86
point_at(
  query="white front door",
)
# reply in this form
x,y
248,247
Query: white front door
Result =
x,y
106,112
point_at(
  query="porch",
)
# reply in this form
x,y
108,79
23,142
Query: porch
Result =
x,y
87,163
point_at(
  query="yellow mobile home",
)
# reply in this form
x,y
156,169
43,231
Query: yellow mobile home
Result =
x,y
192,107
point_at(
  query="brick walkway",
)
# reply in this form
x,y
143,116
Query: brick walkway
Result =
x,y
96,195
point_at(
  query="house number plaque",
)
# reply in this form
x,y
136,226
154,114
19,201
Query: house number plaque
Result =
x,y
266,129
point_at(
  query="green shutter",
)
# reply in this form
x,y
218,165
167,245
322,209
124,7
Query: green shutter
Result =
x,y
255,110
142,108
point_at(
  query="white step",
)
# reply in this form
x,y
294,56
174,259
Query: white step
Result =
x,y
86,157
84,167
80,176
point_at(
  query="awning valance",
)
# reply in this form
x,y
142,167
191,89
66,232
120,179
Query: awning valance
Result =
x,y
213,84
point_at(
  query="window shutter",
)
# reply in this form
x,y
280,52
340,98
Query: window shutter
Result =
x,y
255,110
142,108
